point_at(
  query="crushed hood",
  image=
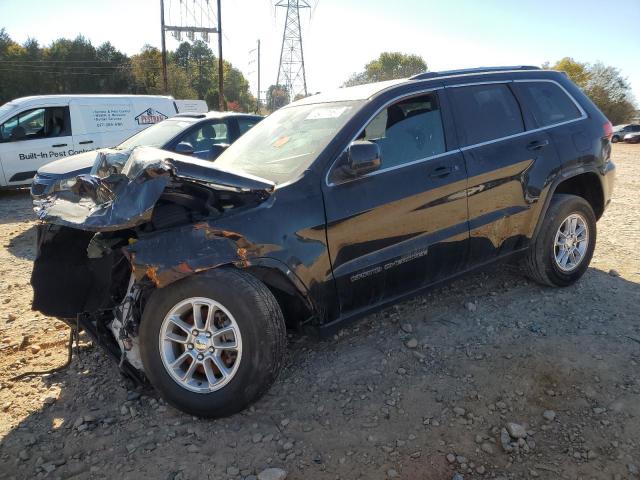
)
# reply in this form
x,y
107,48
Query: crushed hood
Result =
x,y
123,187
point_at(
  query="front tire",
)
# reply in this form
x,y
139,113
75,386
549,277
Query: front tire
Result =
x,y
212,343
562,250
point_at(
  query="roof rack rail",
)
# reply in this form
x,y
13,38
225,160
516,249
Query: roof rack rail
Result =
x,y
469,71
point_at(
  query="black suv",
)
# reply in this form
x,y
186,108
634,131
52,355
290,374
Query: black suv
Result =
x,y
339,204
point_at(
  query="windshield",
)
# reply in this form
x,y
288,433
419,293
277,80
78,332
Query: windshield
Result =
x,y
157,135
286,143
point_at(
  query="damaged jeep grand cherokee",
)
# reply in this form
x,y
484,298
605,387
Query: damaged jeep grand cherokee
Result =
x,y
189,272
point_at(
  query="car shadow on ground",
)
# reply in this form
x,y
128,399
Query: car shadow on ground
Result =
x,y
15,206
23,245
98,424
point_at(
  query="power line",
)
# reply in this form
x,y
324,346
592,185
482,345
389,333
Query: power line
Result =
x,y
57,73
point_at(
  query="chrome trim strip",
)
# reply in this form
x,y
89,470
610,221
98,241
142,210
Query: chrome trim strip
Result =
x,y
583,115
515,135
473,84
396,167
497,72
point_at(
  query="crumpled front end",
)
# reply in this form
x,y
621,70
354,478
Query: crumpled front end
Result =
x,y
97,240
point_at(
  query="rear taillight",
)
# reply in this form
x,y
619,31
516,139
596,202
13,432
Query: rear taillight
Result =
x,y
608,130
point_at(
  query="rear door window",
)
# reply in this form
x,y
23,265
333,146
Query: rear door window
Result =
x,y
549,103
209,134
486,112
246,123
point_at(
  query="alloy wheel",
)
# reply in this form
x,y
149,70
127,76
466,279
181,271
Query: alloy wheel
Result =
x,y
200,345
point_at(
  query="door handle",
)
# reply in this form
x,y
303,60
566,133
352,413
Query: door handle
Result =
x,y
440,172
59,145
86,142
537,145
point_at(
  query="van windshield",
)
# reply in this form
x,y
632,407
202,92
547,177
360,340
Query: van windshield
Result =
x,y
288,141
157,135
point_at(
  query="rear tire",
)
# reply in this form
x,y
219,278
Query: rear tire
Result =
x,y
557,257
186,320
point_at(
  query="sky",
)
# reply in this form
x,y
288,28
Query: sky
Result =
x,y
341,36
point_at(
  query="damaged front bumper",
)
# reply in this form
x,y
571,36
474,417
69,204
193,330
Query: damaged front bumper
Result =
x,y
138,222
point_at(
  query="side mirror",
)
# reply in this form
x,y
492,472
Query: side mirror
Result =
x,y
184,148
363,157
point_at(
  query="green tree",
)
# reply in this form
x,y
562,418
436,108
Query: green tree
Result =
x,y
76,66
277,97
578,72
606,87
201,61
146,68
388,66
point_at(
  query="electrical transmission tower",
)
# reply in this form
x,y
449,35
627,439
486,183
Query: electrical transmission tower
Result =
x,y
291,72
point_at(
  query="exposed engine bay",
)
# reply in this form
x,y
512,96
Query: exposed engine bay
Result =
x,y
104,244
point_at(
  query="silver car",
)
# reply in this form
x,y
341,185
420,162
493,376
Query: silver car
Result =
x,y
619,131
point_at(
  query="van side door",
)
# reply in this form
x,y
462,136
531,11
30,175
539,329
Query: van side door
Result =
x,y
508,162
395,230
32,138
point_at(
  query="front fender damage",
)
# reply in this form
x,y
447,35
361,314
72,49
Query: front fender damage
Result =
x,y
169,256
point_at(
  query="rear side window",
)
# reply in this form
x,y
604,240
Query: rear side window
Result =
x,y
486,112
246,123
549,104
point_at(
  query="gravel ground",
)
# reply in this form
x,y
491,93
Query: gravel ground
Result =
x,y
492,376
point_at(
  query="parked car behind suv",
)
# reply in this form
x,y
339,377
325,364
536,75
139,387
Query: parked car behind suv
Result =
x,y
202,135
620,131
632,137
187,272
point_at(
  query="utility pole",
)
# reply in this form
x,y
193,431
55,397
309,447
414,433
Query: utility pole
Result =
x,y
258,97
191,30
220,62
291,72
164,49
257,60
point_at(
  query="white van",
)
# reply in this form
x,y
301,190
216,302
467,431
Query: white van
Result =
x,y
37,130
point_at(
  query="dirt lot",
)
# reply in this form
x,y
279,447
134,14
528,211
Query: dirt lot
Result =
x,y
489,350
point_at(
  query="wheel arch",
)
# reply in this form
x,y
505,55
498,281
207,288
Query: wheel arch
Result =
x,y
291,294
585,184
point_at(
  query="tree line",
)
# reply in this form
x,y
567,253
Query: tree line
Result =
x,y
604,84
76,66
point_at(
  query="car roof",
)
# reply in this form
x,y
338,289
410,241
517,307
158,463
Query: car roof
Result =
x,y
367,91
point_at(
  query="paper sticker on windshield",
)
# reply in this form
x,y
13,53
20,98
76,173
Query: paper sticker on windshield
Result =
x,y
326,112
